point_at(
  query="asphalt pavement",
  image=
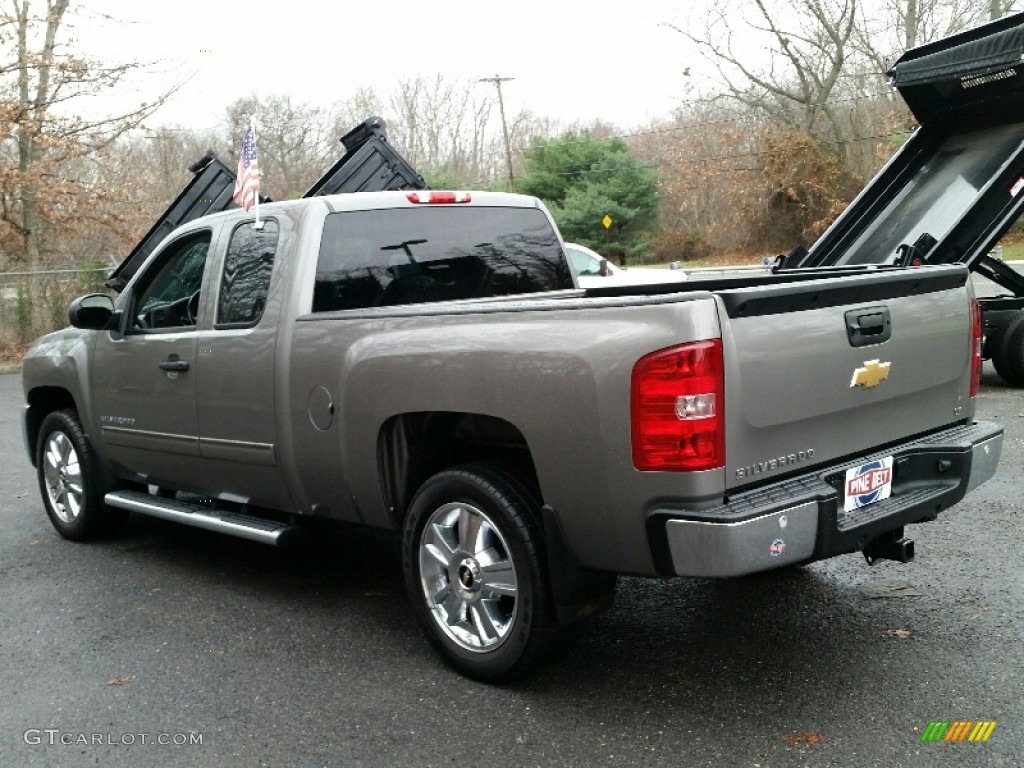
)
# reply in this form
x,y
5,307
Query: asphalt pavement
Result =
x,y
170,646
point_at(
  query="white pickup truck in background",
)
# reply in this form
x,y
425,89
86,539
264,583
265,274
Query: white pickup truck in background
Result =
x,y
595,271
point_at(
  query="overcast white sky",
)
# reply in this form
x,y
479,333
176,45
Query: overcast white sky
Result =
x,y
571,60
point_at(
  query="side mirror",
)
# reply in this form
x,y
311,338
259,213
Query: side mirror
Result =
x,y
91,312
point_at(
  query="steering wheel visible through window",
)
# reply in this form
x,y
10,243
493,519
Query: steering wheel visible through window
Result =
x,y
171,299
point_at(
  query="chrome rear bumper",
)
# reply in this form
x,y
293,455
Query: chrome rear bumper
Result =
x,y
801,519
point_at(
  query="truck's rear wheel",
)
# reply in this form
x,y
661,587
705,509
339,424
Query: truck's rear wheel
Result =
x,y
1008,355
476,575
69,479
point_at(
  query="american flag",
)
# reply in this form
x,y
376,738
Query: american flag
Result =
x,y
247,183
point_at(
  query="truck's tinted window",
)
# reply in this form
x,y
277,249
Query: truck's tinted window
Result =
x,y
169,294
246,279
405,256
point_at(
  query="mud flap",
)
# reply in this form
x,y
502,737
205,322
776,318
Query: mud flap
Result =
x,y
578,592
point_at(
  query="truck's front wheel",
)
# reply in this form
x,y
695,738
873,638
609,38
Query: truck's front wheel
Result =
x,y
69,479
475,572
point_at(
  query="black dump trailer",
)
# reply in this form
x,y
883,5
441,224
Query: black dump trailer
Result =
x,y
369,164
955,188
208,191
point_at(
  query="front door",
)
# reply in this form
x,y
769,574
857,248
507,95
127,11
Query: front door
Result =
x,y
145,381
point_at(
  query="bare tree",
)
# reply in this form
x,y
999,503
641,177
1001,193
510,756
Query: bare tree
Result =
x,y
808,44
42,83
440,123
363,104
160,158
885,29
446,129
452,128
295,141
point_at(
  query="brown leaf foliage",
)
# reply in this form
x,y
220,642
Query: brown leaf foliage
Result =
x,y
808,738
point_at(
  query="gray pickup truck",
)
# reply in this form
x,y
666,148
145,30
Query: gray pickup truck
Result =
x,y
423,361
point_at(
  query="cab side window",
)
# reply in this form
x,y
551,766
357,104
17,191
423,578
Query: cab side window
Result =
x,y
169,299
245,283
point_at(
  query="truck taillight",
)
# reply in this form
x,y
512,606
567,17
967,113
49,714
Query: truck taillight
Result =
x,y
975,347
439,197
678,408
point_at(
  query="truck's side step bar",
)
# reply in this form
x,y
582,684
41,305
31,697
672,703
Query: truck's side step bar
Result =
x,y
243,526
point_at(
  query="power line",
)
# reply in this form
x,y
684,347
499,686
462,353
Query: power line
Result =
x,y
713,158
711,123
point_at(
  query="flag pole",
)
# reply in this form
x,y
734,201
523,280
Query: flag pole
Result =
x,y
256,192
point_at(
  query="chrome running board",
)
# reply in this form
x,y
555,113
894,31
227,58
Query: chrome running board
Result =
x,y
231,523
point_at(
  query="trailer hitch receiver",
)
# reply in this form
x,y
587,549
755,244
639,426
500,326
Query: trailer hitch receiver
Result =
x,y
889,546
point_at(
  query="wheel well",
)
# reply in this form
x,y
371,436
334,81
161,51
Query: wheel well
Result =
x,y
44,401
414,446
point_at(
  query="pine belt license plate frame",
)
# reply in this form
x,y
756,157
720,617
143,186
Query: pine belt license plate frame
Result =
x,y
867,484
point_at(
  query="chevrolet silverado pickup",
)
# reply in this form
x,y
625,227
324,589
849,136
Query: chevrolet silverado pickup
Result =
x,y
424,361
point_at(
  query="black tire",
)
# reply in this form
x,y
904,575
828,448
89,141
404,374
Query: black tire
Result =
x,y
495,620
70,481
1008,355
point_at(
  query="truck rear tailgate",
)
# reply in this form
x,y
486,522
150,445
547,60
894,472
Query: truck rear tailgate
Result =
x,y
821,370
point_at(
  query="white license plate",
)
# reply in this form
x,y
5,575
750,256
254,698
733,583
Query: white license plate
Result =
x,y
868,483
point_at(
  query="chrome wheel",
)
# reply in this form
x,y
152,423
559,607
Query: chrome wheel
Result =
x,y
71,481
62,475
468,577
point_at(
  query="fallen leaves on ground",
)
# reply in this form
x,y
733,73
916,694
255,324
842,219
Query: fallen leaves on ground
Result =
x,y
882,589
803,738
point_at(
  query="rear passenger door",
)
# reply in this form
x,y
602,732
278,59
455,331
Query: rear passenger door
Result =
x,y
235,371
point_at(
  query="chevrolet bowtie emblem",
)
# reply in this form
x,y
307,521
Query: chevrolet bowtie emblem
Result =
x,y
871,375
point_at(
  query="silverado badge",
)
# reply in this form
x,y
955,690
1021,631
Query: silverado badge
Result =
x,y
871,375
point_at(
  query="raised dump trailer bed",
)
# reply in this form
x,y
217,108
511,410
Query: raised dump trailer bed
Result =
x,y
370,164
208,191
954,189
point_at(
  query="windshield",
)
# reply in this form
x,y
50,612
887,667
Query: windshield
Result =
x,y
584,263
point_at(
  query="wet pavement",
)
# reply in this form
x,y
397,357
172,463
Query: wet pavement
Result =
x,y
178,635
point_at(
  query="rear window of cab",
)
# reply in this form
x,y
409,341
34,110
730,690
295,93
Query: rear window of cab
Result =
x,y
398,256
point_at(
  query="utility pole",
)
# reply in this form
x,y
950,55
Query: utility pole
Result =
x,y
498,80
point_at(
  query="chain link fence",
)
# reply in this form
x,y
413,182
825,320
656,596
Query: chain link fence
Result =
x,y
34,303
